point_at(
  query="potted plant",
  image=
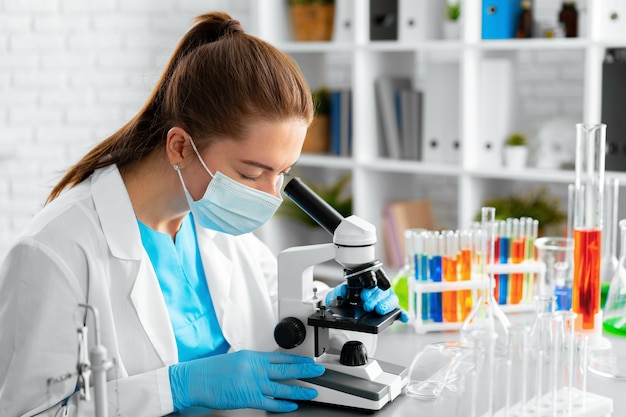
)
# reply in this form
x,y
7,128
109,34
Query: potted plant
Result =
x,y
535,203
516,150
318,135
452,19
335,194
312,20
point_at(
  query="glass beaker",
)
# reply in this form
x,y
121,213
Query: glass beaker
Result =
x,y
615,307
588,210
557,253
486,315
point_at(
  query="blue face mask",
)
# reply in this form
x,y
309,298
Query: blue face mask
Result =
x,y
228,206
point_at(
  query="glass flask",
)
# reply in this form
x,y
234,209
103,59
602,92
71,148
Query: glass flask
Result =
x,y
541,331
615,307
486,315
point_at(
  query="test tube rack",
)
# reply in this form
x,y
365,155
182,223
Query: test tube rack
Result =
x,y
569,402
477,282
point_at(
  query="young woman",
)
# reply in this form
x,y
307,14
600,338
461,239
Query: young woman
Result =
x,y
152,228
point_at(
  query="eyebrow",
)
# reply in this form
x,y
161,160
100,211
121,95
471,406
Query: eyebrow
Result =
x,y
263,166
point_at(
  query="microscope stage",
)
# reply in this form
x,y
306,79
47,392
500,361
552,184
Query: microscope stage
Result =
x,y
355,319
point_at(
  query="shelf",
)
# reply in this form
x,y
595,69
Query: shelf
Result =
x,y
315,47
527,174
531,81
536,43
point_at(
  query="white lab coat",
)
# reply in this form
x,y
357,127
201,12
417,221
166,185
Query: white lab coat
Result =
x,y
89,237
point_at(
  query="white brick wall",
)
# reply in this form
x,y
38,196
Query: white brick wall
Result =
x,y
71,73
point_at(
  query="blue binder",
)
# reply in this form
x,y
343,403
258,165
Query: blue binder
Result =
x,y
500,18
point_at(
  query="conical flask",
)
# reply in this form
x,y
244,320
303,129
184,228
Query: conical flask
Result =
x,y
615,307
487,316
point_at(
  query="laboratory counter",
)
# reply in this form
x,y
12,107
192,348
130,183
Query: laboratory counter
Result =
x,y
398,344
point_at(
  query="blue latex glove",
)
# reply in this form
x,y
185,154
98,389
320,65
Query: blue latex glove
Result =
x,y
374,299
243,379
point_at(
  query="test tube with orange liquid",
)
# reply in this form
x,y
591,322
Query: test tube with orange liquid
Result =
x,y
464,260
449,261
516,283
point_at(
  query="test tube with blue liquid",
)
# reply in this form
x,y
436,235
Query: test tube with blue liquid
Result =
x,y
505,250
435,274
420,260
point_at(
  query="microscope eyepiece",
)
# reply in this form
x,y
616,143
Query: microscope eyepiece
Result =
x,y
313,205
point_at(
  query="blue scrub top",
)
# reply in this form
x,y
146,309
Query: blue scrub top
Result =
x,y
179,269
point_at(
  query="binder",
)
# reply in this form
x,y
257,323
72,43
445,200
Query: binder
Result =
x,y
500,18
611,20
419,20
383,20
410,124
345,124
343,30
495,109
387,89
441,108
613,105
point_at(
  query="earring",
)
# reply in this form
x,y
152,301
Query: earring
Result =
x,y
176,167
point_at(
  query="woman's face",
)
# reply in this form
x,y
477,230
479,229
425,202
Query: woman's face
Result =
x,y
268,151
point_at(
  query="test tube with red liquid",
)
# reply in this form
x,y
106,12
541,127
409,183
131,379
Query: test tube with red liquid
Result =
x,y
588,207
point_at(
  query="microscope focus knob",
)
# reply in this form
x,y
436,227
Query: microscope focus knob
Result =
x,y
289,332
353,353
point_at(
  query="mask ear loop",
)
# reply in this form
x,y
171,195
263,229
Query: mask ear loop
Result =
x,y
193,145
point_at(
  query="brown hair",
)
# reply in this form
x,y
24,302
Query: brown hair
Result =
x,y
217,79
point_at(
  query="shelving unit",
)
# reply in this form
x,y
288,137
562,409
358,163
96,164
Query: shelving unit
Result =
x,y
355,62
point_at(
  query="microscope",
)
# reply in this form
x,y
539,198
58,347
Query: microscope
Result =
x,y
307,327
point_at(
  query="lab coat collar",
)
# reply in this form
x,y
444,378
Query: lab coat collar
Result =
x,y
116,213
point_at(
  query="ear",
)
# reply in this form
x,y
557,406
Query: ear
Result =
x,y
175,145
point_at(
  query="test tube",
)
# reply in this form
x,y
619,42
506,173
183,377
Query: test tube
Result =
x,y
465,271
532,230
450,311
505,250
499,228
434,264
517,256
420,259
412,272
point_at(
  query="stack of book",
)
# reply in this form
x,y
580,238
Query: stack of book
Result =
x,y
399,108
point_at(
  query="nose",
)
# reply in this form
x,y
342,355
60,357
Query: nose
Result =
x,y
278,185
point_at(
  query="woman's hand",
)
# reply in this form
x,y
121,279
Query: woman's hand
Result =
x,y
374,299
243,379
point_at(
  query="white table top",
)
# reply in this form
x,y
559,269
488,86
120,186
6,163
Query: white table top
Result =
x,y
398,344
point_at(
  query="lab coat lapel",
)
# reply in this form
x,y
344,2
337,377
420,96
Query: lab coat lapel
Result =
x,y
148,300
120,228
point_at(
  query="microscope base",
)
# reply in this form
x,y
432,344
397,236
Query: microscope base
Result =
x,y
372,392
